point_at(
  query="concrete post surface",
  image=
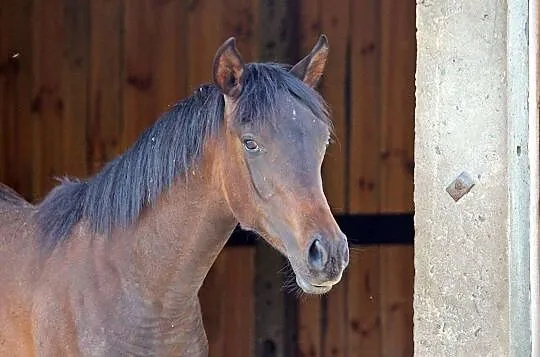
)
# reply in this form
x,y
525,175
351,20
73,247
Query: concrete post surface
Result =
x,y
465,259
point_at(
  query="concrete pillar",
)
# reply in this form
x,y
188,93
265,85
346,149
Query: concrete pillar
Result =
x,y
472,266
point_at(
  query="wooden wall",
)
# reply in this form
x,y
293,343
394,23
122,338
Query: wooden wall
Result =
x,y
80,79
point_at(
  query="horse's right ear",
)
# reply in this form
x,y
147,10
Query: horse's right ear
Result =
x,y
228,71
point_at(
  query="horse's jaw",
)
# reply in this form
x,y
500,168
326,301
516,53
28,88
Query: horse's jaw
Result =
x,y
312,289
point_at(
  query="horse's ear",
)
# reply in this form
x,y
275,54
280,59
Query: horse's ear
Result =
x,y
310,68
228,71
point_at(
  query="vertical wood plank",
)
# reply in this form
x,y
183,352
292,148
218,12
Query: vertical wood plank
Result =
x,y
363,286
363,301
105,101
74,94
335,23
241,20
364,185
398,58
397,275
16,149
47,106
229,310
139,82
170,58
205,34
60,89
309,327
397,131
155,62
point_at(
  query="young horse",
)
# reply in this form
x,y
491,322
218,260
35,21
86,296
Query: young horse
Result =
x,y
112,265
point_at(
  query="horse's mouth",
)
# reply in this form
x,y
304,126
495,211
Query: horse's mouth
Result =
x,y
312,288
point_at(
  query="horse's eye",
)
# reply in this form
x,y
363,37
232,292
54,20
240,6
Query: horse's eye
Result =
x,y
251,145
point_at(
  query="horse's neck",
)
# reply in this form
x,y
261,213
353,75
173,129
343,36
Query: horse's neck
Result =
x,y
175,242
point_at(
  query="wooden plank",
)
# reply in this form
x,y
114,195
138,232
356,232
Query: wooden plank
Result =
x,y
241,20
205,35
228,303
155,63
4,86
74,93
309,308
364,186
397,105
309,327
363,286
47,104
363,301
170,61
309,26
278,41
105,107
397,277
139,82
16,144
397,133
335,24
270,302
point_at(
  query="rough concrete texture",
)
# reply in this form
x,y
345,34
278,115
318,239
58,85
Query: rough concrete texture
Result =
x,y
461,305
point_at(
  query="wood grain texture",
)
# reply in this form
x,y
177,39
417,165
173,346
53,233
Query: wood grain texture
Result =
x,y
59,102
397,139
228,305
74,92
139,70
397,105
334,19
49,31
104,126
170,60
16,125
205,32
241,20
309,327
363,275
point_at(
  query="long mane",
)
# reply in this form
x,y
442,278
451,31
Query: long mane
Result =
x,y
116,195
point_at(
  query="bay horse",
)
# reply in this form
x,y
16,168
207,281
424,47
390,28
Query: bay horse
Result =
x,y
112,265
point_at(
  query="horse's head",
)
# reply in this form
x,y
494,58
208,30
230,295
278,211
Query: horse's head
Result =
x,y
277,131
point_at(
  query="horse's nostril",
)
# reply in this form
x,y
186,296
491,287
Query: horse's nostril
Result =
x,y
317,255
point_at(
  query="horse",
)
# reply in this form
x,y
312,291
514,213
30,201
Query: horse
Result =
x,y
112,265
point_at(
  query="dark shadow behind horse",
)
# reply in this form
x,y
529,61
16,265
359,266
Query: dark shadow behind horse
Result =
x,y
112,265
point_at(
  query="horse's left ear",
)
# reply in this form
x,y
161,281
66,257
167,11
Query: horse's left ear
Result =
x,y
228,71
310,68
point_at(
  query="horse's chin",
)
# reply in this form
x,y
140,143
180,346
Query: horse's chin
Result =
x,y
312,289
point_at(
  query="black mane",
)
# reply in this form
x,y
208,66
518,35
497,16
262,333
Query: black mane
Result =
x,y
116,195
